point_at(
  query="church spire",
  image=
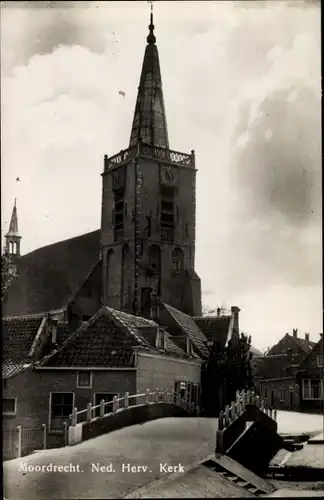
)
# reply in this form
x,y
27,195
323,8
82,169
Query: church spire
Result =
x,y
12,236
149,121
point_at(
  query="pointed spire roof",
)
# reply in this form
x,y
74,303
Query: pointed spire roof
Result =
x,y
149,122
13,228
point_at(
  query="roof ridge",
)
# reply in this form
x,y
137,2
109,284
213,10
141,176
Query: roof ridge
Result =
x,y
24,316
212,316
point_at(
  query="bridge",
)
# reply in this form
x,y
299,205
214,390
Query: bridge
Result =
x,y
141,460
127,410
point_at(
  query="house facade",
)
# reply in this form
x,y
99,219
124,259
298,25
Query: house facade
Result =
x,y
310,380
274,373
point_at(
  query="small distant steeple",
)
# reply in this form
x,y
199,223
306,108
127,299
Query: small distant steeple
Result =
x,y
149,121
12,236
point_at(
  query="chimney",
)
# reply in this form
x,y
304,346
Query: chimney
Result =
x,y
235,312
295,330
306,336
52,328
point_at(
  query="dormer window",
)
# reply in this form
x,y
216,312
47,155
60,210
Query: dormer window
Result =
x,y
160,339
189,347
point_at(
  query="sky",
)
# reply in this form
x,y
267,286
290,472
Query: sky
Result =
x,y
242,87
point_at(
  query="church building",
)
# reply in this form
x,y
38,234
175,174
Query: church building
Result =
x,y
125,297
145,248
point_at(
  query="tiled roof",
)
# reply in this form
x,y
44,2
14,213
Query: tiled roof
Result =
x,y
108,339
291,342
137,325
62,331
189,327
316,350
98,342
214,327
18,334
255,352
50,276
276,366
306,345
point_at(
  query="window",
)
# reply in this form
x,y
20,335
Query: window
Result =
x,y
61,406
312,389
119,216
282,394
84,379
167,213
189,347
154,257
9,406
107,397
177,261
320,360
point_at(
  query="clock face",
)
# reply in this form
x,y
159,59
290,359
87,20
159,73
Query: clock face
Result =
x,y
167,175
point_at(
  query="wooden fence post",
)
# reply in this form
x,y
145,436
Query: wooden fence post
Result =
x,y
126,400
65,430
226,416
89,412
232,411
44,436
221,421
115,404
102,408
74,417
147,396
157,395
18,441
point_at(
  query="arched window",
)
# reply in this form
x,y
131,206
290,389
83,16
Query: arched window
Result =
x,y
155,258
177,261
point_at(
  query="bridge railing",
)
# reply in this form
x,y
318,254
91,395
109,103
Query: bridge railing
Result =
x,y
106,408
237,408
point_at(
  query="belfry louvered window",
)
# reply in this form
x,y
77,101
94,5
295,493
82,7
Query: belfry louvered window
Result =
x,y
167,213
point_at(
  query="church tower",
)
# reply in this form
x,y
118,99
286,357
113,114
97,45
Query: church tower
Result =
x,y
12,236
148,209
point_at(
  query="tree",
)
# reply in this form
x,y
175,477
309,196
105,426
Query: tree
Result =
x,y
8,272
227,369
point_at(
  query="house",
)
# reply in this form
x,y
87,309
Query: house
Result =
x,y
310,380
274,373
110,354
